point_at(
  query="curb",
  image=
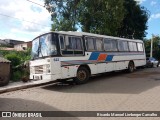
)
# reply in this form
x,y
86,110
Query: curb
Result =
x,y
11,87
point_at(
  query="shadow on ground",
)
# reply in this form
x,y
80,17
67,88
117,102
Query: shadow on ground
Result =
x,y
115,82
16,104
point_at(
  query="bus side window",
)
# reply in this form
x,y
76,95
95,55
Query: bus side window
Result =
x,y
140,47
90,44
123,46
71,45
99,44
62,42
114,45
107,45
77,44
110,45
132,46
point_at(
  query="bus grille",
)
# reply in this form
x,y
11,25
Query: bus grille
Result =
x,y
39,69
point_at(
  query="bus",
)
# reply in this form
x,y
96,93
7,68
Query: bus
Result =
x,y
63,55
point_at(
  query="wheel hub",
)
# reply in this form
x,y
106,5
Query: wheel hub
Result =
x,y
81,75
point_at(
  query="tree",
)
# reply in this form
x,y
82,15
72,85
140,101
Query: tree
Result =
x,y
156,49
101,16
134,23
64,14
122,18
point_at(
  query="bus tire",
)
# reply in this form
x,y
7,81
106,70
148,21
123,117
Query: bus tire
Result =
x,y
82,75
131,67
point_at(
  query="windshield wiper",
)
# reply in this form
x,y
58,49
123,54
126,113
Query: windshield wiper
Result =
x,y
40,49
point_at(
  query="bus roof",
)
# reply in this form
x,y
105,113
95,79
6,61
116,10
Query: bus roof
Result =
x,y
75,33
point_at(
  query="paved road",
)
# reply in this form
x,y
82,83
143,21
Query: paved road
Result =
x,y
139,91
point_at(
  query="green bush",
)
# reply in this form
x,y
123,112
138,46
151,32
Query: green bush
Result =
x,y
15,59
16,76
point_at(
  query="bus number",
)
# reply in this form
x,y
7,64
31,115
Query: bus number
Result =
x,y
56,59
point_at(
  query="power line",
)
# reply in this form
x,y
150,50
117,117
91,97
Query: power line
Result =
x,y
22,20
35,3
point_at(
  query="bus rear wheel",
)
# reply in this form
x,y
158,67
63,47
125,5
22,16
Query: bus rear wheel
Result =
x,y
131,67
82,76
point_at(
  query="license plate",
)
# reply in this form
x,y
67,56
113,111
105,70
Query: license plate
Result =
x,y
37,77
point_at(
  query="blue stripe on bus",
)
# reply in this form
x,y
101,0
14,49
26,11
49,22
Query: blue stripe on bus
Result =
x,y
94,56
109,58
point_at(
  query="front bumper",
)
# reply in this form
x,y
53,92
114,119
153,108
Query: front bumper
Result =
x,y
43,77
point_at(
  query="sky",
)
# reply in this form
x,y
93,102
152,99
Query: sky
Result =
x,y
24,20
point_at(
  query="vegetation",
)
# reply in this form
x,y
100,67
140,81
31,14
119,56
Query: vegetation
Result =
x,y
156,47
135,20
122,18
17,59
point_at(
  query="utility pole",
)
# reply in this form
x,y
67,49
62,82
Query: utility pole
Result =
x,y
152,39
151,47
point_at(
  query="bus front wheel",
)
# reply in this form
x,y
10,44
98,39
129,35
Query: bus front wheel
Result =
x,y
82,75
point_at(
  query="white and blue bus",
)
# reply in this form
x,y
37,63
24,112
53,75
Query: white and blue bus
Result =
x,y
79,55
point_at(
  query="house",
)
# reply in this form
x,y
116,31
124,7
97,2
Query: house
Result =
x,y
4,71
7,48
23,46
12,42
3,43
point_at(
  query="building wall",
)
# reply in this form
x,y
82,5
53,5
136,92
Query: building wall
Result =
x,y
13,42
29,44
23,46
20,47
4,69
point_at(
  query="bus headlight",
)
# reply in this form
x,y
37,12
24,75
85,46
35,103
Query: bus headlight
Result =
x,y
48,68
32,70
48,71
48,60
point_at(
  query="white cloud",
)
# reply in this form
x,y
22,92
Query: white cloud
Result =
x,y
140,1
153,3
25,11
155,16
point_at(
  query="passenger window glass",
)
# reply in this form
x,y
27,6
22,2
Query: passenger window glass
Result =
x,y
77,45
62,42
110,45
72,46
99,44
90,44
132,46
140,46
122,45
107,45
69,44
125,45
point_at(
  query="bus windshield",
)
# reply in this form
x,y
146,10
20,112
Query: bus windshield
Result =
x,y
43,46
